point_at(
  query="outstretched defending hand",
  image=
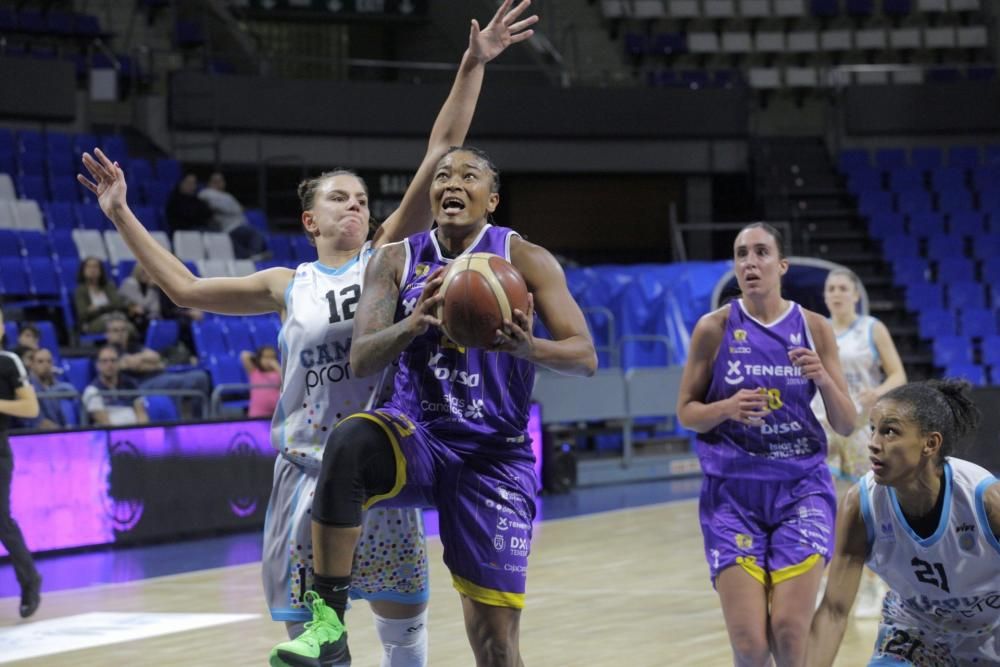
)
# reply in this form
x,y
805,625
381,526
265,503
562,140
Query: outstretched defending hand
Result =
x,y
502,31
108,184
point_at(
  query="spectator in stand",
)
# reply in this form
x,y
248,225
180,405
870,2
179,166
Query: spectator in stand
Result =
x,y
264,372
185,209
228,216
142,296
110,410
147,368
42,374
96,299
29,336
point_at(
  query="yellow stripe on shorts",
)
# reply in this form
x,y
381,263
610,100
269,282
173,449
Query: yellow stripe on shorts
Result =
x,y
489,596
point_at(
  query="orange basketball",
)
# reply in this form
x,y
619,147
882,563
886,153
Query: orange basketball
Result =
x,y
480,291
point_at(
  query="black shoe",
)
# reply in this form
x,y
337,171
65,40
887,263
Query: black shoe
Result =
x,y
31,597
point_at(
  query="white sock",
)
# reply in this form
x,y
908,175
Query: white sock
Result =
x,y
404,640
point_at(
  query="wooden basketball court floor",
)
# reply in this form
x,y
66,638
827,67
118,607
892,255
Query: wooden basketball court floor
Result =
x,y
627,587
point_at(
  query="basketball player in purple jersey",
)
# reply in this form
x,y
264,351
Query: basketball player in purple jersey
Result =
x,y
767,499
453,435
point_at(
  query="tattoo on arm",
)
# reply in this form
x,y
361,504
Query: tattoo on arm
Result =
x,y
379,341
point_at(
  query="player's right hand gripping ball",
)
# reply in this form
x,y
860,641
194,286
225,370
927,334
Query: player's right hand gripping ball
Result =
x,y
480,291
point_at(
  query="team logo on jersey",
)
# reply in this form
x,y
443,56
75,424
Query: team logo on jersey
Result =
x,y
966,541
498,542
474,410
739,335
795,338
744,541
734,371
421,270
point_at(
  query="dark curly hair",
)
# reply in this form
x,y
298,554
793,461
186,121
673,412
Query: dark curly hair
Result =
x,y
944,406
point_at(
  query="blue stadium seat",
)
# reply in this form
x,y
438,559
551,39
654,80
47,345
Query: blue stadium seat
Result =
x,y
43,280
209,338
974,373
966,223
238,334
907,270
890,158
256,219
951,349
265,331
90,216
986,178
114,146
62,243
280,246
885,224
955,201
993,157
899,247
10,243
150,217
138,170
926,157
36,244
79,371
925,224
954,270
161,408
49,339
10,331
873,202
966,293
963,156
84,143
934,322
978,322
157,193
914,201
906,179
32,186
991,273
14,278
990,350
161,334
59,215
924,296
168,170
63,188
944,246
227,369
948,178
986,246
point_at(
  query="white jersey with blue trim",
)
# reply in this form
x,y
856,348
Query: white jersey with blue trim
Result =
x,y
859,360
318,388
948,583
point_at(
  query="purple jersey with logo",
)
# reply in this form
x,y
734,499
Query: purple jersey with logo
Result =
x,y
789,442
476,401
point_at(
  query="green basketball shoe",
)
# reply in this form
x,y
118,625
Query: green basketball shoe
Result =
x,y
323,644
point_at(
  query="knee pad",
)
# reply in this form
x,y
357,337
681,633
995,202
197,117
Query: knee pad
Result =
x,y
358,463
404,640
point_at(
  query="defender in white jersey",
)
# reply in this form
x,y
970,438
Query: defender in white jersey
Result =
x,y
317,303
927,523
871,366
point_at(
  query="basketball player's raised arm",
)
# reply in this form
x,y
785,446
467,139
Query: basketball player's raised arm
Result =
x,y
692,410
452,123
377,338
261,292
843,578
571,350
823,368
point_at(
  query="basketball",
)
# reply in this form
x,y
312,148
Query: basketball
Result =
x,y
480,291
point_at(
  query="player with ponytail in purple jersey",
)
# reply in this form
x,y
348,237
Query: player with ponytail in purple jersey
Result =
x,y
767,499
